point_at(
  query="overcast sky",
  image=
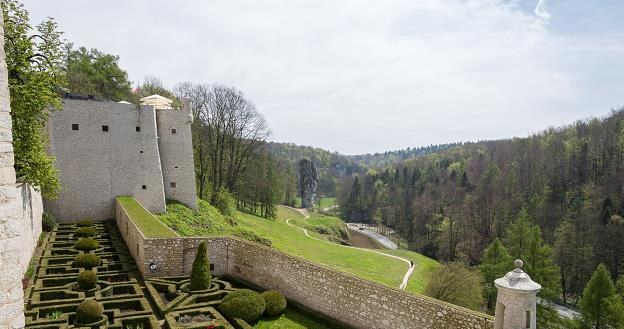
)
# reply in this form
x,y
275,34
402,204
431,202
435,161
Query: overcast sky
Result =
x,y
359,76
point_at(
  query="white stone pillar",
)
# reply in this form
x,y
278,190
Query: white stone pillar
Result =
x,y
516,302
11,273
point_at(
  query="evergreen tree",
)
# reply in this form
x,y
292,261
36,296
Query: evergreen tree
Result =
x,y
200,274
519,234
496,262
593,304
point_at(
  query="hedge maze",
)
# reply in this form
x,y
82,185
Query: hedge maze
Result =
x,y
123,300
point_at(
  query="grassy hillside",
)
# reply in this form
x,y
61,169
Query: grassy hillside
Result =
x,y
361,263
277,233
207,220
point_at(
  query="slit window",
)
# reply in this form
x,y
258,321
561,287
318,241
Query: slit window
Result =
x,y
104,128
173,131
138,129
528,320
74,126
172,184
144,187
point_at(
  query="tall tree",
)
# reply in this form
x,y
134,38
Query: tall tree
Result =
x,y
90,71
34,60
593,303
496,263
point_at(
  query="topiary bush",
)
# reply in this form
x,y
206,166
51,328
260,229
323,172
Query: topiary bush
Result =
x,y
47,222
87,261
89,311
275,302
200,274
243,304
85,232
86,244
87,280
85,222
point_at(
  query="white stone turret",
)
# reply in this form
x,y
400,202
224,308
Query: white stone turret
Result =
x,y
517,300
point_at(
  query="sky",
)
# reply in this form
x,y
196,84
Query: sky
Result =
x,y
361,76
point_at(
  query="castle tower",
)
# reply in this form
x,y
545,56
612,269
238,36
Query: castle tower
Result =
x,y
516,302
176,149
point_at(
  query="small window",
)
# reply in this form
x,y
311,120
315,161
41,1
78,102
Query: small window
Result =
x,y
212,267
528,319
74,126
173,131
104,128
176,167
141,152
173,184
138,129
144,187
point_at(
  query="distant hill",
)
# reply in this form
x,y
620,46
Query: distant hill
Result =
x,y
332,166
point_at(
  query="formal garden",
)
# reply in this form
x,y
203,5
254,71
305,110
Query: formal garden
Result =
x,y
84,276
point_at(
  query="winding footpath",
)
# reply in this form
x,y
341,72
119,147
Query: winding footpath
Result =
x,y
410,268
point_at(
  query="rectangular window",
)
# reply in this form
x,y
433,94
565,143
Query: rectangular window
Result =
x,y
138,129
528,319
212,267
173,184
173,131
144,187
104,128
74,126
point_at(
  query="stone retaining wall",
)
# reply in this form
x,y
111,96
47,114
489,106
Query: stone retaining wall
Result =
x,y
355,302
20,215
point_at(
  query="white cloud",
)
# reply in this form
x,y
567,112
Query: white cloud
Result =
x,y
362,76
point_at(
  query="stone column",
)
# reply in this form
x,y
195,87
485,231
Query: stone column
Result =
x,y
11,272
516,301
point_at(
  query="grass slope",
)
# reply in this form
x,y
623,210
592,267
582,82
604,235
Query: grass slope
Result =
x,y
144,220
290,319
207,220
361,263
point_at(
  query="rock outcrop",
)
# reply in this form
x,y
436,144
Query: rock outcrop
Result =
x,y
308,179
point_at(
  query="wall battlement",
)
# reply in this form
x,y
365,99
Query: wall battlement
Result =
x,y
106,149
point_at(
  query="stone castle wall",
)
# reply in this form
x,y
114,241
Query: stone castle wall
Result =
x,y
95,165
20,215
176,155
355,302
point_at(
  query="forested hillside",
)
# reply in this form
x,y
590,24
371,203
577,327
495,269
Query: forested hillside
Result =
x,y
333,166
451,205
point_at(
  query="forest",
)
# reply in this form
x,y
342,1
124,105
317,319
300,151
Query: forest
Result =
x,y
560,189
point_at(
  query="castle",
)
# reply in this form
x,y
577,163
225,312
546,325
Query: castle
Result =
x,y
105,149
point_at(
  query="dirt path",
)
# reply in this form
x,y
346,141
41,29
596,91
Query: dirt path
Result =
x,y
410,267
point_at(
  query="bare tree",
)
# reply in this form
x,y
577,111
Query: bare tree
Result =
x,y
227,131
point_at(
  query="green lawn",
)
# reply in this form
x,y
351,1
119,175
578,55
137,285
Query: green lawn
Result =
x,y
290,319
360,263
144,220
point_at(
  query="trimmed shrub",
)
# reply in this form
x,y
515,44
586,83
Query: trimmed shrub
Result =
x,y
89,311
200,274
87,280
243,304
85,232
47,222
87,261
86,244
85,222
275,302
